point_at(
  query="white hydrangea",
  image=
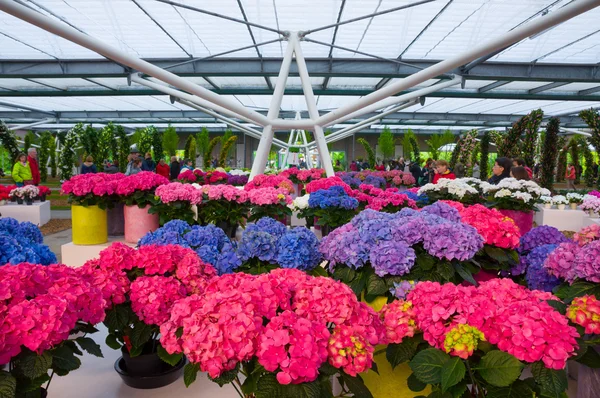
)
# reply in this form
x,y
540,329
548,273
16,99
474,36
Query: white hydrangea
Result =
x,y
503,193
573,197
300,203
524,196
546,199
559,200
238,172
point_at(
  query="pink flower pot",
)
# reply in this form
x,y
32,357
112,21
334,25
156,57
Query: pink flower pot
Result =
x,y
523,219
138,222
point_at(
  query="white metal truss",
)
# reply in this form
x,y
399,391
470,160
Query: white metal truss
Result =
x,y
198,97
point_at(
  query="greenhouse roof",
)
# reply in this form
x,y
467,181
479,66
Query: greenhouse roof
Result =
x,y
44,76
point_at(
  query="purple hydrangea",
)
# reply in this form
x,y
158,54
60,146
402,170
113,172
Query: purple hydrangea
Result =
x,y
330,244
227,260
299,249
373,231
520,267
257,244
368,215
537,276
354,251
375,181
587,262
237,180
442,210
351,180
401,290
392,258
452,241
542,235
268,225
411,230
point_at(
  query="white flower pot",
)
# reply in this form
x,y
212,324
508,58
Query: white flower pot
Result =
x,y
547,205
574,206
2,202
561,207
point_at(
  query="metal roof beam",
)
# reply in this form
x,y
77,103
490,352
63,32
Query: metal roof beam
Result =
x,y
589,91
492,86
545,87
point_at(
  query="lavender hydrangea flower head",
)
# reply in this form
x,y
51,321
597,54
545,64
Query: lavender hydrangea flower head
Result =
x,y
351,180
332,197
354,252
257,244
411,230
373,231
268,225
392,258
369,215
542,235
442,210
587,262
330,244
561,262
453,241
376,181
537,276
227,260
298,248
401,289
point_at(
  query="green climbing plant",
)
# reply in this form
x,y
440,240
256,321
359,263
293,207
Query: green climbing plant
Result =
x,y
549,153
387,143
530,126
226,149
157,144
170,141
123,147
46,141
561,166
53,158
68,142
209,150
8,140
202,141
369,150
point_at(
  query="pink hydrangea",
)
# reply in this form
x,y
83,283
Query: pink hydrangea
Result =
x,y
493,226
224,192
324,299
587,235
269,196
143,181
398,317
587,262
270,181
457,205
177,191
349,350
560,262
158,260
585,311
294,346
118,256
98,184
153,296
326,183
180,310
194,273
113,284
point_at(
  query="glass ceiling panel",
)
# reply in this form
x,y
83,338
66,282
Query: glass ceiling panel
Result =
x,y
520,86
353,82
574,87
19,84
239,81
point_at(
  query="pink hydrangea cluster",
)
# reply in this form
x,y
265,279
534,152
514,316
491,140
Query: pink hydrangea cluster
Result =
x,y
294,346
188,176
560,262
40,305
224,192
153,296
587,234
497,229
270,181
516,319
585,311
97,184
269,196
452,203
389,198
398,317
224,325
302,176
177,191
143,181
112,283
590,203
326,183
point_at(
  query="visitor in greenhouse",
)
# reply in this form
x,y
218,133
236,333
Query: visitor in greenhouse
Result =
x,y
476,170
88,166
426,173
521,163
148,164
519,173
162,168
459,170
187,165
175,168
33,165
21,172
570,176
111,168
500,171
135,168
443,172
353,166
379,166
415,170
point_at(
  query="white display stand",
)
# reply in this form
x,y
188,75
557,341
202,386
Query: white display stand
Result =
x,y
38,213
76,255
563,220
590,221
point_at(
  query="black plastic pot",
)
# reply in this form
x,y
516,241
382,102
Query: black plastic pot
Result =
x,y
29,201
43,198
147,371
229,229
19,201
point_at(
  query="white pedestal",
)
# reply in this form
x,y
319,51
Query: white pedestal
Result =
x,y
38,213
590,221
563,220
76,255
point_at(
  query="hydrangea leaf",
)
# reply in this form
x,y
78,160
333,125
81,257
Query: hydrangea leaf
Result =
x,y
499,368
427,365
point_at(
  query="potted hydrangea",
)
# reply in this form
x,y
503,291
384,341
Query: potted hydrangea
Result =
x,y
547,201
574,199
560,201
591,204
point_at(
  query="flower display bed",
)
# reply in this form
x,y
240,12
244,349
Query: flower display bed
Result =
x,y
38,213
76,255
563,220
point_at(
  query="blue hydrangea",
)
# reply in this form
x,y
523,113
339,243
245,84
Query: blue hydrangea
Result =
x,y
178,226
376,181
443,210
268,225
23,242
355,252
206,235
208,254
298,248
333,197
537,275
352,181
373,231
260,245
420,199
227,261
163,237
542,235
392,258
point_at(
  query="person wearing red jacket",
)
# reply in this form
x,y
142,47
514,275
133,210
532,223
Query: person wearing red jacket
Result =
x,y
442,172
33,164
162,168
570,176
521,163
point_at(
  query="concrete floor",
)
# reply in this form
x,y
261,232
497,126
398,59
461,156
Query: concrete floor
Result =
x,y
55,241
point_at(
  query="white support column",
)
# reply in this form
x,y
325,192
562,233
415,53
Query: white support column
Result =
x,y
311,104
291,140
262,153
309,163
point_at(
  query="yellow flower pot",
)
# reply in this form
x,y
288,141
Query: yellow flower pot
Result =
x,y
389,383
89,225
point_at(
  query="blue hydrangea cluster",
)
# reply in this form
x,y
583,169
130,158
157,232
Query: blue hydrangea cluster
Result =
x,y
420,199
258,244
401,289
542,235
537,275
443,210
376,181
389,257
268,225
299,249
351,180
23,242
210,243
333,197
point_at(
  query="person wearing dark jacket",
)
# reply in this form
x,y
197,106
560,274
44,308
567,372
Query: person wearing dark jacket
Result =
x,y
175,168
415,170
500,171
148,164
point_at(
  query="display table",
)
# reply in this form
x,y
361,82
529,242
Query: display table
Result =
x,y
38,213
590,221
563,220
76,255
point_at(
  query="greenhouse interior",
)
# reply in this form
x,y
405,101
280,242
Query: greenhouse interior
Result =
x,y
303,199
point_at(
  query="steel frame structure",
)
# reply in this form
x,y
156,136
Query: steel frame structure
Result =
x,y
201,98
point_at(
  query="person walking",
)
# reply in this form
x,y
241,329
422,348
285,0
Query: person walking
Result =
x,y
570,176
21,172
175,168
88,167
162,168
187,165
136,167
33,165
111,168
415,170
443,172
500,171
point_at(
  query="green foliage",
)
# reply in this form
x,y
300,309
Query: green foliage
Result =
x,y
226,150
455,153
68,143
387,144
549,153
499,368
88,139
485,150
416,152
369,150
9,141
187,149
123,148
226,136
202,141
29,140
467,144
574,151
53,157
208,154
531,124
561,167
46,142
428,364
436,141
407,144
592,118
106,140
588,158
157,144
170,141
143,138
